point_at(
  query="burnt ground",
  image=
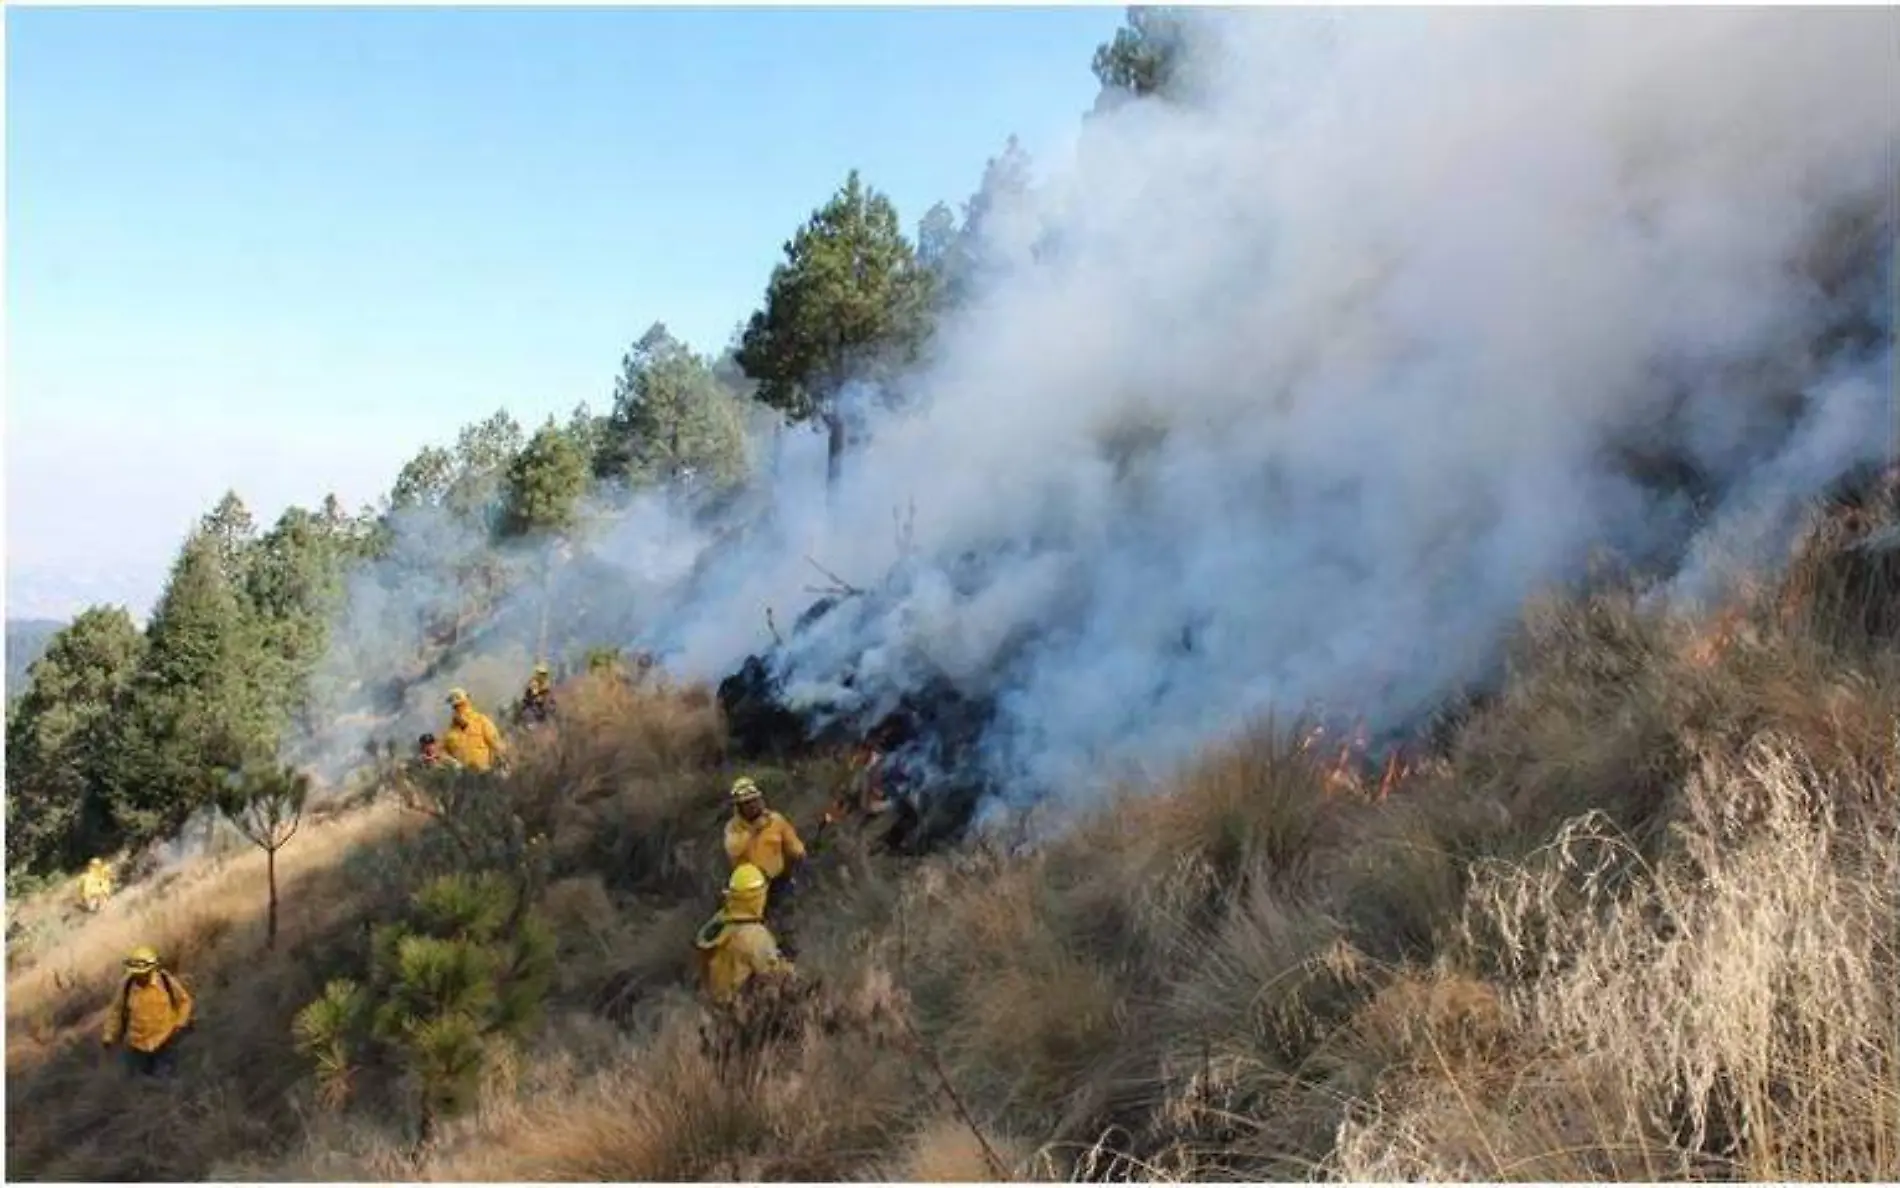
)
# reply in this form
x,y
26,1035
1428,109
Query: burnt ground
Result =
x,y
933,771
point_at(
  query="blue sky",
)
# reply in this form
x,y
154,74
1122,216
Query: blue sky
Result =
x,y
279,250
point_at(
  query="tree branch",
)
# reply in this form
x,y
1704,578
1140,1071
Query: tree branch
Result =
x,y
842,585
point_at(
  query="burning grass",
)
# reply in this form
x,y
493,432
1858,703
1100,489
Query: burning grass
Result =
x,y
1636,919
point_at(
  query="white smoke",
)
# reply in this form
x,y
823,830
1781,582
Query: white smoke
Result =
x,y
1289,396
444,607
1293,395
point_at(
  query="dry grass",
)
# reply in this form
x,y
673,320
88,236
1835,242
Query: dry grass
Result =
x,y
72,1115
672,1104
944,1150
206,903
1729,1013
1637,920
632,790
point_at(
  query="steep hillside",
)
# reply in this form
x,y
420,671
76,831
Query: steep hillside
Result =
x,y
1633,918
1464,381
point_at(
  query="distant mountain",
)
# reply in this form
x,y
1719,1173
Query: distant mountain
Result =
x,y
26,639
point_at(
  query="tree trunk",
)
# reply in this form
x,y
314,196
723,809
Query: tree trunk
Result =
x,y
270,872
834,453
425,1127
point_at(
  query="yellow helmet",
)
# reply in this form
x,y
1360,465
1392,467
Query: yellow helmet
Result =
x,y
540,670
96,863
142,959
744,789
458,697
746,878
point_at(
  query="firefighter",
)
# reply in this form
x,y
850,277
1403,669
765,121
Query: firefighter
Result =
x,y
150,1012
471,739
765,839
536,707
429,753
735,946
95,886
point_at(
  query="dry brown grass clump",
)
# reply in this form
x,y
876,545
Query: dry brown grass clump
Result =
x,y
1171,961
1728,1013
944,1150
677,1104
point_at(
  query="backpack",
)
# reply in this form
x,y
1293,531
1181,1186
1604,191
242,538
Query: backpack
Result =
x,y
125,1000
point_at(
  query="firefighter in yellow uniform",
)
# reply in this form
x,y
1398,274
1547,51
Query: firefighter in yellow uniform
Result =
x,y
95,886
764,838
471,739
536,707
429,753
735,946
147,1016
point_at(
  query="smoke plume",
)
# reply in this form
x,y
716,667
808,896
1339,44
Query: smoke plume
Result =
x,y
1287,395
444,607
1292,393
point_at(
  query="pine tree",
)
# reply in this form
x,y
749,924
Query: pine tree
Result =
x,y
466,973
483,453
59,736
452,502
233,532
673,422
267,807
1144,57
544,485
293,589
979,252
849,302
191,708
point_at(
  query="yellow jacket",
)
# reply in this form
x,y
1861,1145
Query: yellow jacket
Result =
x,y
474,743
734,950
146,1016
96,883
765,843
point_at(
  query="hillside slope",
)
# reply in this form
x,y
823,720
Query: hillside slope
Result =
x,y
1633,919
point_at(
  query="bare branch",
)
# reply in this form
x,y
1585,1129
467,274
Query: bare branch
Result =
x,y
968,1119
844,586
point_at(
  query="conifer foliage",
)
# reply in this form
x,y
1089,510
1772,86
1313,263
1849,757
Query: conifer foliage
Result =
x,y
462,976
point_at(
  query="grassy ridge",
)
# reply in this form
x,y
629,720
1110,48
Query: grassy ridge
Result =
x,y
1636,920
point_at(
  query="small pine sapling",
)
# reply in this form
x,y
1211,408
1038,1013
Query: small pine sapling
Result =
x,y
266,805
468,970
